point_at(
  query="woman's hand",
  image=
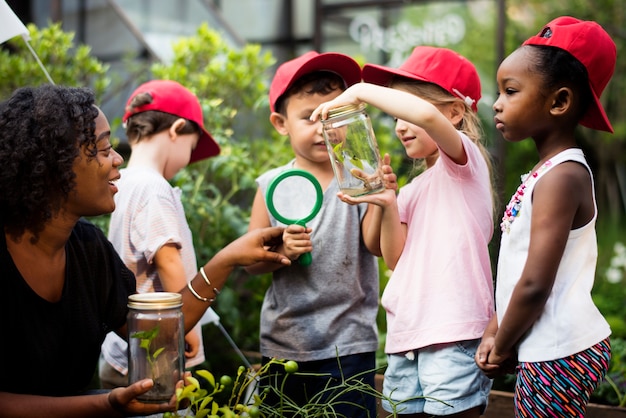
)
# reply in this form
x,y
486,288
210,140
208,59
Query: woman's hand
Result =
x,y
124,400
256,246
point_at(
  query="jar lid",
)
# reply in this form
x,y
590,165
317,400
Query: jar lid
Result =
x,y
155,300
345,110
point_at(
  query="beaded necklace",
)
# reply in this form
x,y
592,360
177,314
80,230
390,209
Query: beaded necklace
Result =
x,y
515,205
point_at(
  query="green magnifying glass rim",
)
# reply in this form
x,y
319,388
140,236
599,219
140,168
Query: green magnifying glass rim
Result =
x,y
290,173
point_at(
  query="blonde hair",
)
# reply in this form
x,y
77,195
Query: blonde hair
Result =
x,y
470,124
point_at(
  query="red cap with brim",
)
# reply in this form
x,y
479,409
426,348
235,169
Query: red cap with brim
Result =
x,y
446,68
594,48
290,71
171,97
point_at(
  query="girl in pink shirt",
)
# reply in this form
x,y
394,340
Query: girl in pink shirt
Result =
x,y
434,235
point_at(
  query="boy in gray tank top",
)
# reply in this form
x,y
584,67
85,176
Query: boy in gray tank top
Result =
x,y
323,315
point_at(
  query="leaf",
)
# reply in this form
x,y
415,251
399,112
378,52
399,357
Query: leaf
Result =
x,y
356,161
187,393
205,402
201,413
148,334
208,376
338,153
157,352
145,344
192,381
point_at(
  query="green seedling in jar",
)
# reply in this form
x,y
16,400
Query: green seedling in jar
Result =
x,y
340,155
146,339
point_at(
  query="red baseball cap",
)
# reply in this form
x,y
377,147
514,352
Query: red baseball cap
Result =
x,y
594,48
290,71
171,97
446,68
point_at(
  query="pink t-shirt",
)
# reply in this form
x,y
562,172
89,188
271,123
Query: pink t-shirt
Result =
x,y
442,287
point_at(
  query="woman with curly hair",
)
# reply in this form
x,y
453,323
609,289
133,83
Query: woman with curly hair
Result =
x,y
63,285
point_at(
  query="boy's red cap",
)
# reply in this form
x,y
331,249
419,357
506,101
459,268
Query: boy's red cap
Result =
x,y
443,67
594,48
290,71
171,97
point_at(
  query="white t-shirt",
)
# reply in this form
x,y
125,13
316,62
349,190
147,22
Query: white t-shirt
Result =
x,y
148,214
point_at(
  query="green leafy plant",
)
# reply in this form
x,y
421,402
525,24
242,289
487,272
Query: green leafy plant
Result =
x,y
240,402
205,396
146,338
67,63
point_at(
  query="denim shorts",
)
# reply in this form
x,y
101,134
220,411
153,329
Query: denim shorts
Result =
x,y
442,379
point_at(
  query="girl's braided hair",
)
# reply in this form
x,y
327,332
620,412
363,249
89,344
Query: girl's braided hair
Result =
x,y
42,130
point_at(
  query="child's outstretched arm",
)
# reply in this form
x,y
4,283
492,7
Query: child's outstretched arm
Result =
x,y
408,107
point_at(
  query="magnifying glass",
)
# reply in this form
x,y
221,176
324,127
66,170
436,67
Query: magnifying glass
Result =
x,y
295,197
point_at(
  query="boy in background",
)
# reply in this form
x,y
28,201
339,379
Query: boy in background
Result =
x,y
149,229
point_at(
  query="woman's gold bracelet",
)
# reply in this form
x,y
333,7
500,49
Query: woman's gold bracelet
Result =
x,y
193,292
208,282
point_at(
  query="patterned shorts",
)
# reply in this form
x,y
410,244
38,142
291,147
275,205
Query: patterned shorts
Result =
x,y
561,388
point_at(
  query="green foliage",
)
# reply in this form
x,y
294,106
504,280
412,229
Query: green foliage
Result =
x,y
240,397
223,397
66,63
609,291
612,391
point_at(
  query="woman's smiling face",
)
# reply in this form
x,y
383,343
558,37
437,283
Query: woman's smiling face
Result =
x,y
95,176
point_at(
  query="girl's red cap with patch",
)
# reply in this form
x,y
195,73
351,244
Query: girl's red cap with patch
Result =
x,y
171,97
593,47
290,71
446,68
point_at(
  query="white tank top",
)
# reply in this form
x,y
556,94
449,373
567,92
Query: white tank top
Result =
x,y
570,321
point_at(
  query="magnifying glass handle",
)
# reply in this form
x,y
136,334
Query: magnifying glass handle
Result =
x,y
306,258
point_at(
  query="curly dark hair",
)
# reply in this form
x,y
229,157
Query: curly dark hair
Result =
x,y
145,124
42,130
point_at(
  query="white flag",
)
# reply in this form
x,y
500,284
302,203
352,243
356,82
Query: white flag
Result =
x,y
10,24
